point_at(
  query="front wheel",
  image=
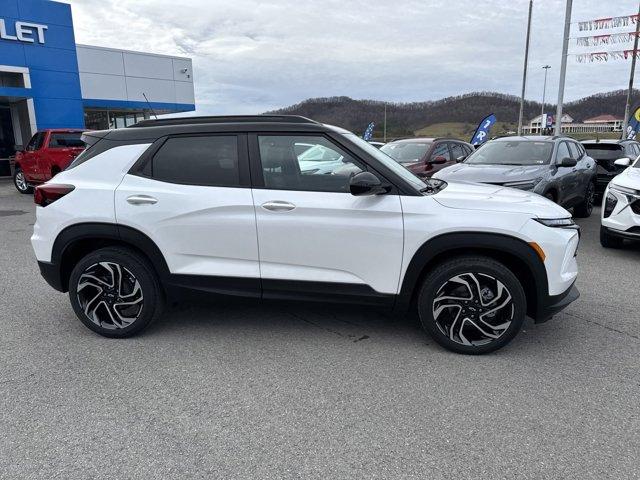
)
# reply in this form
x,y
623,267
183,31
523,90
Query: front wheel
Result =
x,y
472,305
115,292
584,208
20,181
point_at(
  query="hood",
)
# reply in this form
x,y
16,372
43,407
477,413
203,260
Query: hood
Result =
x,y
475,196
491,173
630,178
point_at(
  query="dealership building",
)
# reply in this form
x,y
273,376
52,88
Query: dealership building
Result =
x,y
49,81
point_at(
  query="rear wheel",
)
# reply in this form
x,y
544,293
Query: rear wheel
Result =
x,y
115,292
472,305
20,181
584,209
609,241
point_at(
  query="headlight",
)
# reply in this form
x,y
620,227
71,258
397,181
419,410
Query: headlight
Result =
x,y
629,193
609,205
525,184
557,222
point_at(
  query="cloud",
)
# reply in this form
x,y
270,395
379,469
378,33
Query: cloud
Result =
x,y
251,56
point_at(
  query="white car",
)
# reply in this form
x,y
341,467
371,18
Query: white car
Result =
x,y
222,206
621,206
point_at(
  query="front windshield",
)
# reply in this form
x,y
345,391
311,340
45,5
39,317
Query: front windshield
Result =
x,y
406,151
390,163
516,152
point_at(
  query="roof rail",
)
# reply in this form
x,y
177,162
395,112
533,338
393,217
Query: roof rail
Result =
x,y
163,122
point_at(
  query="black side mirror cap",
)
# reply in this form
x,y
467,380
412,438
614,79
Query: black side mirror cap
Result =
x,y
568,162
366,183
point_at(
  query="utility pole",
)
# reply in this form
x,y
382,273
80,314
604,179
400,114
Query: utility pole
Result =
x,y
544,91
563,66
524,72
385,123
633,70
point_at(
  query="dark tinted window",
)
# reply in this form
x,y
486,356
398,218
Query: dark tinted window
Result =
x,y
66,140
204,160
605,151
36,142
320,167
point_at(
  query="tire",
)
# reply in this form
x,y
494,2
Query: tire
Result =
x,y
496,285
584,208
20,181
115,312
609,241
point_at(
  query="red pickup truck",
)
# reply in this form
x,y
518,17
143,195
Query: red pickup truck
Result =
x,y
47,153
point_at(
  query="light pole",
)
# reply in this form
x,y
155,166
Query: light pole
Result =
x,y
544,91
524,71
627,106
563,65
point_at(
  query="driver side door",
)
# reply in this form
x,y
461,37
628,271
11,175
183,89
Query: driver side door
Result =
x,y
568,177
314,237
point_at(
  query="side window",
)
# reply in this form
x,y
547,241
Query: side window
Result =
x,y
201,160
635,151
441,150
36,142
66,140
575,152
305,163
458,150
563,152
467,149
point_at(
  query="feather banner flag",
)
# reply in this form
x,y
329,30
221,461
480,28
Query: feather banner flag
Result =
x,y
610,22
368,133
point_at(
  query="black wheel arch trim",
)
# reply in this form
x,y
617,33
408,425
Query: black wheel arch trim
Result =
x,y
495,245
57,272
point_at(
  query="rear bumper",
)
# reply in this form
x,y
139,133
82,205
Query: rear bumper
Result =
x,y
556,303
51,273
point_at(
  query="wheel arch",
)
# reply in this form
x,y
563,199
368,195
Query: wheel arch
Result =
x,y
514,253
76,241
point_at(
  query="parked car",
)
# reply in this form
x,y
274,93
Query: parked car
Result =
x,y
621,207
605,153
47,154
555,167
426,156
219,205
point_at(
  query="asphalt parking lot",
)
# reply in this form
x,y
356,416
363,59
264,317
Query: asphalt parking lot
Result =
x,y
281,390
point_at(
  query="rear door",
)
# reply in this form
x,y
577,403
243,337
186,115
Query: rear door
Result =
x,y
314,236
59,151
192,197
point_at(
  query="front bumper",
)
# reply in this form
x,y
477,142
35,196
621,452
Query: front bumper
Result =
x,y
555,304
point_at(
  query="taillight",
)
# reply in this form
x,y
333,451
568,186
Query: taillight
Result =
x,y
48,193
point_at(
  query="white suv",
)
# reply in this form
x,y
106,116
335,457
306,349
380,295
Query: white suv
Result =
x,y
220,205
621,206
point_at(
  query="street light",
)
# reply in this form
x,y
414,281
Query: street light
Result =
x,y
544,91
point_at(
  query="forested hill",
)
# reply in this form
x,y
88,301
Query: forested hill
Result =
x,y
406,118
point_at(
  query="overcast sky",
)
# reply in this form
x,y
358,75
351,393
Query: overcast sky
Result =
x,y
255,55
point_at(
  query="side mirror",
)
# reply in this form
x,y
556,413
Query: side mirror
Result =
x,y
439,160
366,183
622,162
568,162
461,159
